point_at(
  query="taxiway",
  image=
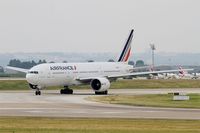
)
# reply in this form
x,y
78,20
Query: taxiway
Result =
x,y
52,104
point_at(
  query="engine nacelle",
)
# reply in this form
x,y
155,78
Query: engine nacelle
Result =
x,y
100,84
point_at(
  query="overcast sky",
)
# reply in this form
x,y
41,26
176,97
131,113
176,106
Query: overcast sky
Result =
x,y
99,25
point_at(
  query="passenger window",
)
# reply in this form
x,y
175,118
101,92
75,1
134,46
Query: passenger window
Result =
x,y
36,72
33,72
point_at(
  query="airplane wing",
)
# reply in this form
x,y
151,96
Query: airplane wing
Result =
x,y
143,67
17,69
146,73
87,79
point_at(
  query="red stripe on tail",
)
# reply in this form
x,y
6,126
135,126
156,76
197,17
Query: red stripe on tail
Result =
x,y
127,55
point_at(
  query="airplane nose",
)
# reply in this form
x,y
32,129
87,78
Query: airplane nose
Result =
x,y
31,79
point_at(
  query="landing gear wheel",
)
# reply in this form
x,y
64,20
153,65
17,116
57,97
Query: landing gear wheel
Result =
x,y
66,91
101,93
38,92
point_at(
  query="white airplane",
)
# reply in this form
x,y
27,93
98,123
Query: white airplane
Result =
x,y
98,74
183,74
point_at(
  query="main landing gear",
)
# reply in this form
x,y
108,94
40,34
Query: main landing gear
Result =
x,y
66,90
101,93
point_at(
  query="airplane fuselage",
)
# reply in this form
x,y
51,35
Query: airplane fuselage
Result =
x,y
67,74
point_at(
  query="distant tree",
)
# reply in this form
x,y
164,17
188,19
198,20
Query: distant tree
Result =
x,y
139,63
90,60
33,63
44,61
1,69
24,64
41,61
15,63
64,61
132,63
51,62
111,60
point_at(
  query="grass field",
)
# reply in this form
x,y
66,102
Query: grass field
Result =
x,y
70,125
131,84
159,100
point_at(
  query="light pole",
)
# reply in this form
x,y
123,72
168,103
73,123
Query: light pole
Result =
x,y
152,51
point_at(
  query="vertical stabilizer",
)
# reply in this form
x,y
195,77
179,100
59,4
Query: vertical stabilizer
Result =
x,y
126,52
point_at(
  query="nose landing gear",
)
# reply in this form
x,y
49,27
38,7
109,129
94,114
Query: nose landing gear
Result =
x,y
35,87
37,92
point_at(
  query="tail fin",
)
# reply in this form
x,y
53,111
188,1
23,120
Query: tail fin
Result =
x,y
182,72
124,57
151,68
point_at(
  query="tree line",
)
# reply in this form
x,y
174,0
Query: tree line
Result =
x,y
24,64
30,64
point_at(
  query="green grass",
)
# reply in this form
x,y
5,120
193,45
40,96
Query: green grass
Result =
x,y
142,84
130,84
83,125
154,100
13,85
17,75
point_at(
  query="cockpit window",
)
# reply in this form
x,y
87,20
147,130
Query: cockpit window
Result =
x,y
33,72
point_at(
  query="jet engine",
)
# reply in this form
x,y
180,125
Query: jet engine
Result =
x,y
100,84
